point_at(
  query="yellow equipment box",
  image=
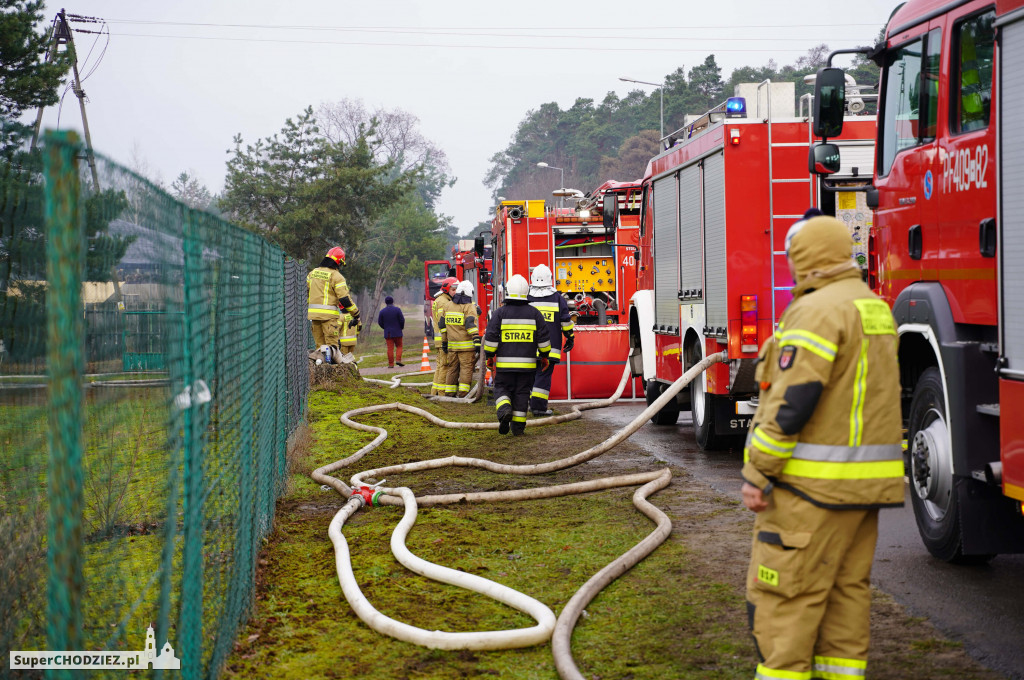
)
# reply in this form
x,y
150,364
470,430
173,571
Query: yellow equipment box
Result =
x,y
585,274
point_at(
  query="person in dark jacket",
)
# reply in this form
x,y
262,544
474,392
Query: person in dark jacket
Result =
x,y
555,309
392,321
515,343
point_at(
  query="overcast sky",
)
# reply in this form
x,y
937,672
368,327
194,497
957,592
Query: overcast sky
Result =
x,y
469,70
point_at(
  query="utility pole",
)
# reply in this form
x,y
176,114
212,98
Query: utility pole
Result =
x,y
61,35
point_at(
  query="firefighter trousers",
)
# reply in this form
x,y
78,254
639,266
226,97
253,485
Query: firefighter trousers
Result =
x,y
444,362
513,388
541,391
460,372
325,332
809,589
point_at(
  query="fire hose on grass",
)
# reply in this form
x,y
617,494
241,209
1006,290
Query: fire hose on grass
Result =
x,y
474,395
559,630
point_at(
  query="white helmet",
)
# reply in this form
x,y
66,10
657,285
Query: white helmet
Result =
x,y
466,288
541,276
517,288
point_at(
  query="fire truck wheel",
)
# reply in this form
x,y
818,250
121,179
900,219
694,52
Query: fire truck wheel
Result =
x,y
669,413
702,406
930,469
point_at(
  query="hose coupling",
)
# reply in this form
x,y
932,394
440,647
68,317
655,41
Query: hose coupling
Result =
x,y
369,494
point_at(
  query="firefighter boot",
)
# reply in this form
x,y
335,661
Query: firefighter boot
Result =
x,y
504,416
518,423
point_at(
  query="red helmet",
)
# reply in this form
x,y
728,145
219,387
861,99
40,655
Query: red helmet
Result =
x,y
337,254
449,284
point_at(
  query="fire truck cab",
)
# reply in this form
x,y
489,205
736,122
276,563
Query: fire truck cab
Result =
x,y
473,263
947,253
434,272
717,203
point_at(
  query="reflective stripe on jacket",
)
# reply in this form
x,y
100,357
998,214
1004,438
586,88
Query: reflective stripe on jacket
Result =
x,y
458,324
347,332
555,311
327,293
516,335
828,422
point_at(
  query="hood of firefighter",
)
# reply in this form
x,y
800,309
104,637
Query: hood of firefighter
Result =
x,y
540,281
821,250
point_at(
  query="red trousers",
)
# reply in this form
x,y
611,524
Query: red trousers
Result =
x,y
394,344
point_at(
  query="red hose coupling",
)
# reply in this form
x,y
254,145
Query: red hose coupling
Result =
x,y
370,495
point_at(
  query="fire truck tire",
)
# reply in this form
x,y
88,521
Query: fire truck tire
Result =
x,y
669,413
933,486
702,407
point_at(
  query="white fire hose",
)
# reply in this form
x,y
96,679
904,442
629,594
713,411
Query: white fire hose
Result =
x,y
547,626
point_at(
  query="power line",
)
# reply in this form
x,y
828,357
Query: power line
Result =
x,y
476,31
453,45
481,28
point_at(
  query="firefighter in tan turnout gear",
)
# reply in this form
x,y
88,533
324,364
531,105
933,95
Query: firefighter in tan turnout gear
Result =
x,y
328,296
822,456
460,338
437,309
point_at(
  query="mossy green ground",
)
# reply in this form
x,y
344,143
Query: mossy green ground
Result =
x,y
678,614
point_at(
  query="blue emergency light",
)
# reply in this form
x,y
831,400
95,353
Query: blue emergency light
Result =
x,y
735,107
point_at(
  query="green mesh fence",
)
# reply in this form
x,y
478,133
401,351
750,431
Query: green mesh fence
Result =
x,y
152,365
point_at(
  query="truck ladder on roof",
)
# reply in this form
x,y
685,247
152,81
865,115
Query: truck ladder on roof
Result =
x,y
773,181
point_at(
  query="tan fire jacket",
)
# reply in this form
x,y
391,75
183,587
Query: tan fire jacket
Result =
x,y
459,325
828,424
327,292
437,308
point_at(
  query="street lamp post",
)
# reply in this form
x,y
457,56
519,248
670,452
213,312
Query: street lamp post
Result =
x,y
561,199
661,91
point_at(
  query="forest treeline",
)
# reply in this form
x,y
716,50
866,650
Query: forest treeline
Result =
x,y
614,138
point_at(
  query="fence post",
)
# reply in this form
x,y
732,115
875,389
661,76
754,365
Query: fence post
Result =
x,y
64,367
190,618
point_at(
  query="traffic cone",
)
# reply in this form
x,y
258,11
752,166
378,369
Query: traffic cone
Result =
x,y
489,379
425,362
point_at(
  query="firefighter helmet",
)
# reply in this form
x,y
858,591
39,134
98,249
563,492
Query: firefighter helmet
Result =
x,y
337,254
466,288
449,285
517,288
541,276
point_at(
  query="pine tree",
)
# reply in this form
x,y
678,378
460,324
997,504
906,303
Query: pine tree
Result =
x,y
27,81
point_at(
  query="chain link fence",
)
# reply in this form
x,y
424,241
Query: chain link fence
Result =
x,y
152,366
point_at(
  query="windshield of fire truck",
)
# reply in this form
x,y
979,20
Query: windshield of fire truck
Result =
x,y
436,273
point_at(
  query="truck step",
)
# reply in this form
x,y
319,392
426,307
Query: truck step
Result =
x,y
989,409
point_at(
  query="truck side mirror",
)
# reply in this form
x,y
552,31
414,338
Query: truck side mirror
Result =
x,y
829,102
610,212
824,159
478,246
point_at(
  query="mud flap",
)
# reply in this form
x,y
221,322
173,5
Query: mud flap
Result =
x,y
991,522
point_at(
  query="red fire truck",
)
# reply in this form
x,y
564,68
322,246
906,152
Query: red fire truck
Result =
x,y
594,265
947,252
713,276
473,263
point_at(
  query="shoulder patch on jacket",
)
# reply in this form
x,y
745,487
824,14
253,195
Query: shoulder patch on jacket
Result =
x,y
786,357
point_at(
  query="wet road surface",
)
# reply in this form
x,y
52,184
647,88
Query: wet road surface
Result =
x,y
982,607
